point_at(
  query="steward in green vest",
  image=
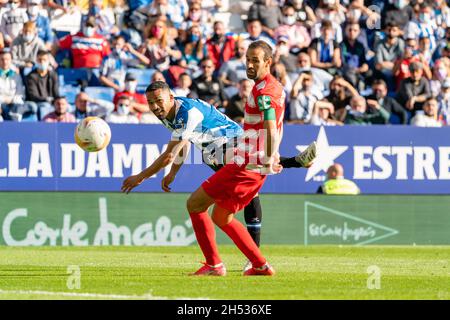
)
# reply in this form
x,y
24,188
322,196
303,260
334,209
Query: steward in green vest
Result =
x,y
336,183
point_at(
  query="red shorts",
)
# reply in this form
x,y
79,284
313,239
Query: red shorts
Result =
x,y
233,187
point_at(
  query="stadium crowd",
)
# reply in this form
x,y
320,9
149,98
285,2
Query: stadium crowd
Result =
x,y
341,62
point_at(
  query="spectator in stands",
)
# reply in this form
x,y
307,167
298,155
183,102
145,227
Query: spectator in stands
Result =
x,y
115,65
183,86
303,12
193,48
268,12
42,85
321,78
398,12
341,93
104,18
12,21
254,33
444,103
355,67
388,51
234,70
88,48
26,46
336,183
423,25
236,107
174,10
90,107
324,52
159,46
138,101
278,70
44,30
332,11
380,97
357,113
61,113
12,91
323,114
411,54
415,90
220,47
303,99
196,15
122,112
440,72
208,87
425,49
429,117
298,35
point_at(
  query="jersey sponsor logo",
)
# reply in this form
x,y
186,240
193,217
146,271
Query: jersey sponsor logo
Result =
x,y
261,85
264,102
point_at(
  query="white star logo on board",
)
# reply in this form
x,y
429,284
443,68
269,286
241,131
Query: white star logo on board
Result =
x,y
326,154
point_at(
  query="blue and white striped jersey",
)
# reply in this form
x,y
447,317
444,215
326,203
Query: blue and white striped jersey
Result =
x,y
201,123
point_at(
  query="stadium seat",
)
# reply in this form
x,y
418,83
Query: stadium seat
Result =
x,y
103,93
74,76
70,92
143,77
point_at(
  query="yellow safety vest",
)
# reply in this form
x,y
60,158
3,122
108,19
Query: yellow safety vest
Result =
x,y
340,186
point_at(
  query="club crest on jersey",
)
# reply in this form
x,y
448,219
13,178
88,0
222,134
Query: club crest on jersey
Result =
x,y
264,102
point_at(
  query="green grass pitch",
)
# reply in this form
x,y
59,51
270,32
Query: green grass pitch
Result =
x,y
313,272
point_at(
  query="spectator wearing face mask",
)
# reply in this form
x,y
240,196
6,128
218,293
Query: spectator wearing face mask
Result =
x,y
44,30
297,35
61,113
268,12
429,117
88,48
423,25
220,47
26,46
12,21
138,101
159,46
193,48
174,10
122,112
115,65
303,12
42,85
357,113
440,72
104,19
197,15
380,97
332,11
12,91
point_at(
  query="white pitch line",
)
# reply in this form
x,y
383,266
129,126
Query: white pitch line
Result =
x,y
92,295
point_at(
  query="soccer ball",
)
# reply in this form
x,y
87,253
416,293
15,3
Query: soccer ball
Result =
x,y
92,134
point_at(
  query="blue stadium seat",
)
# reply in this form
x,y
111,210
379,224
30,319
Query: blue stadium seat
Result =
x,y
103,93
70,92
73,76
143,76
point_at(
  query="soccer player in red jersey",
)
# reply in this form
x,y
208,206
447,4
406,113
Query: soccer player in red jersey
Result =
x,y
231,188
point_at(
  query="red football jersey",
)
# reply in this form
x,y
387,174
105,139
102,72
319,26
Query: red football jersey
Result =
x,y
86,52
266,93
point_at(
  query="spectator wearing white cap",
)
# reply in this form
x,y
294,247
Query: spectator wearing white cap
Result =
x,y
44,31
12,21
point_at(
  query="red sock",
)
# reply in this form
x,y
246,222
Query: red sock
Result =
x,y
240,236
206,236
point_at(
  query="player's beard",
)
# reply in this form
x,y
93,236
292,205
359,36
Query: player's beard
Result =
x,y
252,75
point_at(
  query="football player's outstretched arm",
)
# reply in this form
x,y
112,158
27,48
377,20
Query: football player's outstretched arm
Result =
x,y
176,165
166,158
